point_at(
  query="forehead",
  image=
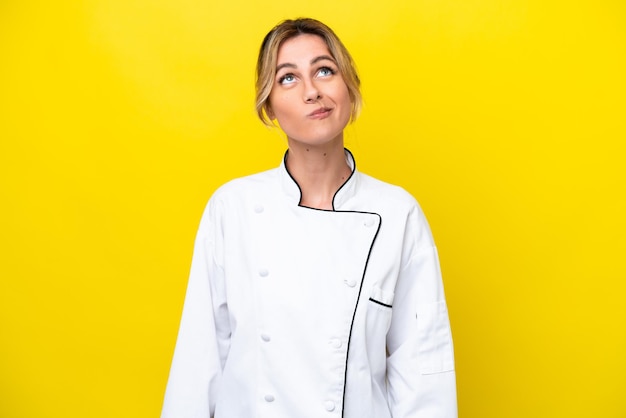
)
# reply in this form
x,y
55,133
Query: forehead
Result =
x,y
302,48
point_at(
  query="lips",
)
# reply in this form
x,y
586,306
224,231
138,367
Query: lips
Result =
x,y
321,113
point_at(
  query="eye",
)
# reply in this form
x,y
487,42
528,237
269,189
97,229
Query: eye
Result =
x,y
287,79
325,72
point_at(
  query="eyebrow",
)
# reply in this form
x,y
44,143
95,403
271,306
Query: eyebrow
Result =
x,y
313,61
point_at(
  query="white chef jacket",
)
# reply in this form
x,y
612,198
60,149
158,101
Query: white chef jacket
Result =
x,y
295,312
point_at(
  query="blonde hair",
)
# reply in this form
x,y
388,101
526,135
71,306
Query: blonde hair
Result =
x,y
266,63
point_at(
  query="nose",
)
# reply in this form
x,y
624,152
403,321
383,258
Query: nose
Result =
x,y
312,98
311,92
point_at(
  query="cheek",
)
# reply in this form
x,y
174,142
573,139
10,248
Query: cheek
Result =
x,y
282,106
342,94
346,102
346,92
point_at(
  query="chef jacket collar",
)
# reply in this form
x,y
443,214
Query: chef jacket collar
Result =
x,y
345,191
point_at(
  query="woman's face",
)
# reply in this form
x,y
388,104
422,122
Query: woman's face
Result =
x,y
309,98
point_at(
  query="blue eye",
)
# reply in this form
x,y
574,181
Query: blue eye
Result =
x,y
325,72
287,79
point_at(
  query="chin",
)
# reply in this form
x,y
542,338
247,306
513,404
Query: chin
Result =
x,y
316,141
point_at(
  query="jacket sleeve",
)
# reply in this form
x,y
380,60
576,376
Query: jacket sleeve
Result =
x,y
420,363
204,333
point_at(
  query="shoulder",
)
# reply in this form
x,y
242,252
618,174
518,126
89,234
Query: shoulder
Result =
x,y
386,194
397,208
246,187
401,215
235,195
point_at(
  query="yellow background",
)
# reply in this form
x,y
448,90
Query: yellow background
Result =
x,y
505,118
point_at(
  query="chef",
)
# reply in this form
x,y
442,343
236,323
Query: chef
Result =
x,y
315,290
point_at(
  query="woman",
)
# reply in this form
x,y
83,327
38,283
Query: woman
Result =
x,y
315,290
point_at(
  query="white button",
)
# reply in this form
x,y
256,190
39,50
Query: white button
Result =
x,y
329,405
265,337
269,398
351,282
259,208
263,272
336,343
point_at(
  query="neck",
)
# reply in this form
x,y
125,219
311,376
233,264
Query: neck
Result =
x,y
319,171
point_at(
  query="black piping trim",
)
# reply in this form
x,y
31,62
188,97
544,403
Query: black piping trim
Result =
x,y
380,303
358,298
335,195
294,180
349,177
345,374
